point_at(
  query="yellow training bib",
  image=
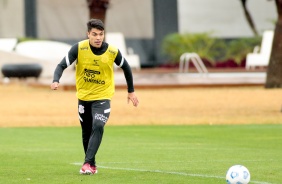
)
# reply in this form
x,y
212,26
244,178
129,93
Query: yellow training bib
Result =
x,y
94,73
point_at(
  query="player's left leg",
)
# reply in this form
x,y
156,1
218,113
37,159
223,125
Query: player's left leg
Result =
x,y
100,114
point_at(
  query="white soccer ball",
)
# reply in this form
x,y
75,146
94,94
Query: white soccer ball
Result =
x,y
238,174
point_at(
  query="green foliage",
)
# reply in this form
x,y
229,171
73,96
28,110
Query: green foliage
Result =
x,y
174,45
206,46
142,154
238,49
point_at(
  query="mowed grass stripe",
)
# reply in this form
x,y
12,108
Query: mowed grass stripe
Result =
x,y
43,155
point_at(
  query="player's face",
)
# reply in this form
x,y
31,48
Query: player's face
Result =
x,y
96,37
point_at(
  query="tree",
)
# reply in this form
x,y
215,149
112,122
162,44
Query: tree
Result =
x,y
274,70
249,17
98,9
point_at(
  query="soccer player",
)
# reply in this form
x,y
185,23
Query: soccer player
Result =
x,y
95,86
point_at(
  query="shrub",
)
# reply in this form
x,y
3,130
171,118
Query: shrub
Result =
x,y
238,49
174,45
207,47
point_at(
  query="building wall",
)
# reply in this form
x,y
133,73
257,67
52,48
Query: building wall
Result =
x,y
225,18
11,18
62,19
134,18
65,19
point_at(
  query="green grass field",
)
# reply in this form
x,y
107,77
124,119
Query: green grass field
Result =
x,y
142,154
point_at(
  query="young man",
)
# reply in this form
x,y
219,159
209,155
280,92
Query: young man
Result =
x,y
95,86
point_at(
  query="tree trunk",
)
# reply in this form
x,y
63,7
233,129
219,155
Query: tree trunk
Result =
x,y
98,9
274,70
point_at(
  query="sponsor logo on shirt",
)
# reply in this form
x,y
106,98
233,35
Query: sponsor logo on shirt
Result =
x,y
111,51
96,62
89,76
84,48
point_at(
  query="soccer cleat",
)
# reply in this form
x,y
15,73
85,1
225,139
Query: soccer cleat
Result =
x,y
94,168
88,169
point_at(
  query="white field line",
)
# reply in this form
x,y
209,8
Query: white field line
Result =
x,y
169,172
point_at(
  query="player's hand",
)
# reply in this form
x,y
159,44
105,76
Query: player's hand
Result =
x,y
54,86
133,98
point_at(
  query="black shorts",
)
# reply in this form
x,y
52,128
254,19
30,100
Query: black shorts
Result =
x,y
90,111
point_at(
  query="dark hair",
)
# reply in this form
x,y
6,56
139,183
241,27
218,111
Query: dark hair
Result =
x,y
95,23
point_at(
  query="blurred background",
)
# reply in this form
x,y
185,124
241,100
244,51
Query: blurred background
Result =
x,y
144,23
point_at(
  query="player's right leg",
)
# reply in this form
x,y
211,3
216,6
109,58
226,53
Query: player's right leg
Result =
x,y
85,118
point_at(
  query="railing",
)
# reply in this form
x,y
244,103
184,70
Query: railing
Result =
x,y
195,59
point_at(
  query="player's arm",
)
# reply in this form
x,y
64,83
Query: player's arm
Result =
x,y
70,57
123,64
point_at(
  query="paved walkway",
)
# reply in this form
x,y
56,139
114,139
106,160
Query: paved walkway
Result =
x,y
195,79
150,77
155,78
